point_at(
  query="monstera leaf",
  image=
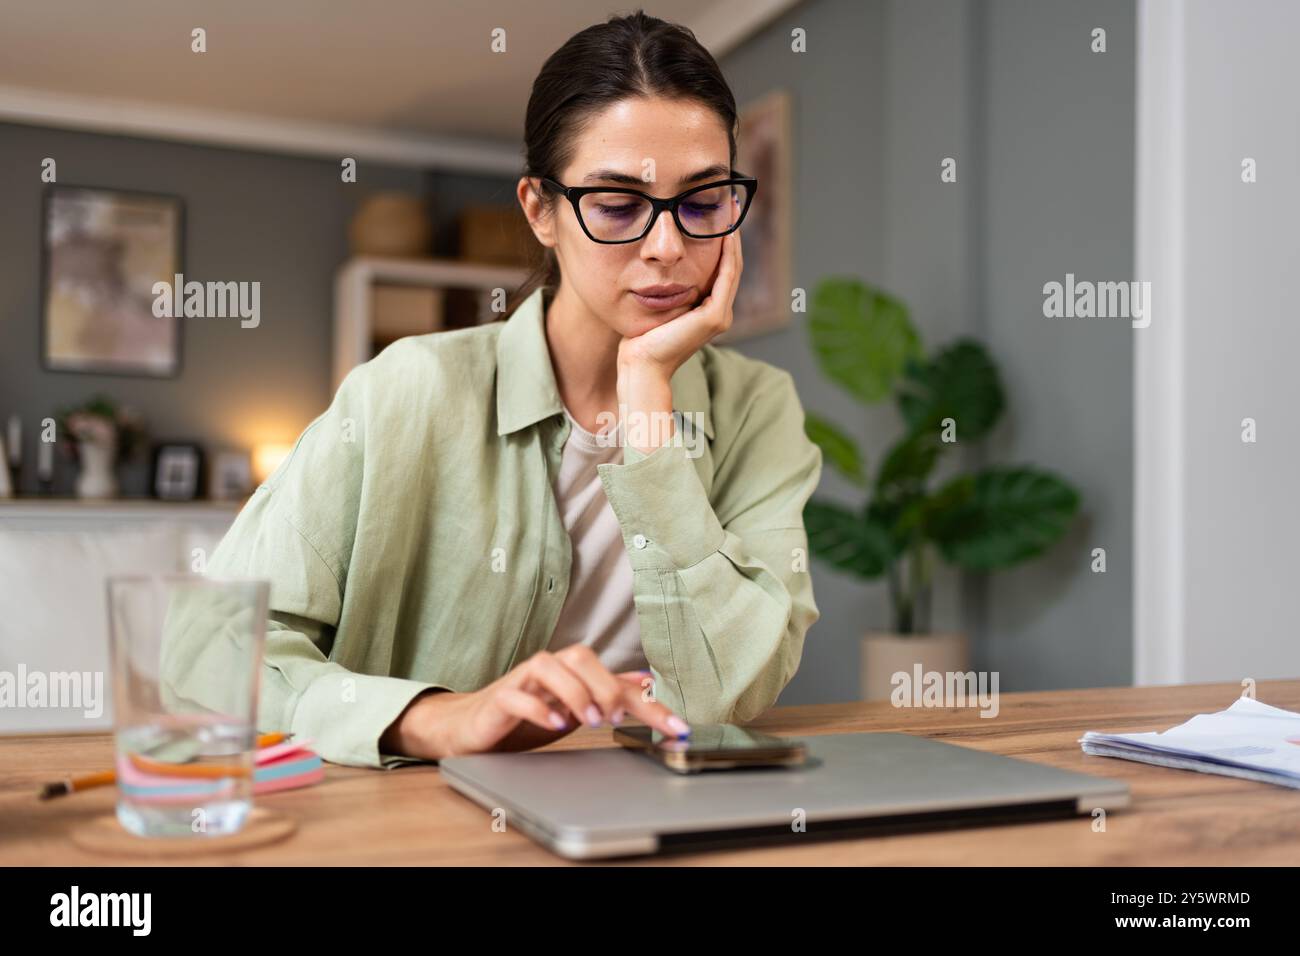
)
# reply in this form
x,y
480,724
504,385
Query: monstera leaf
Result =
x,y
960,382
1000,516
908,464
861,336
837,447
851,541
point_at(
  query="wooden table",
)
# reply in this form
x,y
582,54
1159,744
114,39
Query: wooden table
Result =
x,y
409,816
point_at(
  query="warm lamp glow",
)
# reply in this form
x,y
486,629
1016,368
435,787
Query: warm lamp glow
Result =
x,y
267,458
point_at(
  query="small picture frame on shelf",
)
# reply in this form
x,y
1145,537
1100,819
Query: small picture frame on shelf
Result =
x,y
232,475
177,471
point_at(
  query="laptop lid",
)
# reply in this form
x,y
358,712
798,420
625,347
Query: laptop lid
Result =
x,y
587,804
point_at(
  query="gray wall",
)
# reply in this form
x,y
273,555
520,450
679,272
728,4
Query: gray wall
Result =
x,y
248,217
838,118
932,100
1043,134
1057,147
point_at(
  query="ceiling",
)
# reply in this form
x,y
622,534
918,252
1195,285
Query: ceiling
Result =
x,y
409,81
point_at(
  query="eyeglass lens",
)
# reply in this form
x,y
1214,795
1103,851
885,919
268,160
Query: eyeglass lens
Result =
x,y
614,217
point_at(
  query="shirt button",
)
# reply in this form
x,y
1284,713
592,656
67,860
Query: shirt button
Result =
x,y
639,541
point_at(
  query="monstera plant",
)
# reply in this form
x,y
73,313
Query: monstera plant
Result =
x,y
948,398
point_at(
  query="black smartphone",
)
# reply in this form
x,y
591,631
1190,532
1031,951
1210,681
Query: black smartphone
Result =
x,y
713,747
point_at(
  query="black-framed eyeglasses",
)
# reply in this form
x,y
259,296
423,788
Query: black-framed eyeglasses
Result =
x,y
611,214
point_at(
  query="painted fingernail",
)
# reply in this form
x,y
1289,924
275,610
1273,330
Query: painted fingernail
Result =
x,y
558,722
678,725
617,716
593,715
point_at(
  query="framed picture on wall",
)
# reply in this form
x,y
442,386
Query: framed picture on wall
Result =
x,y
763,151
102,252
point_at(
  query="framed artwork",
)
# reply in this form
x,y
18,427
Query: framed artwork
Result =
x,y
102,252
763,151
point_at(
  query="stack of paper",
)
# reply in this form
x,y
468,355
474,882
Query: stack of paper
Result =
x,y
288,765
1249,739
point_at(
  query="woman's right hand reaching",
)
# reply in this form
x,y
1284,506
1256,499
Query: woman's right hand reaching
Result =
x,y
540,701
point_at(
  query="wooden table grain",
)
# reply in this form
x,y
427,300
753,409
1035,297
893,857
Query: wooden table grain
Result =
x,y
409,816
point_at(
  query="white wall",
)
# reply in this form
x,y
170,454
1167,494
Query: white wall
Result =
x,y
837,139
1217,518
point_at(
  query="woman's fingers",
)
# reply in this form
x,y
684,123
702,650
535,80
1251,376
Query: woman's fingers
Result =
x,y
727,269
578,680
654,714
722,298
629,696
525,706
549,672
608,691
737,266
603,690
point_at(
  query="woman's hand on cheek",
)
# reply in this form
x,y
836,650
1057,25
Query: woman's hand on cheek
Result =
x,y
663,349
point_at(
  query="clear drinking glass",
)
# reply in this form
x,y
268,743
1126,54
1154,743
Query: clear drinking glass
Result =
x,y
186,660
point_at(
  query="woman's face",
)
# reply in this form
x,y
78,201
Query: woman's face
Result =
x,y
681,143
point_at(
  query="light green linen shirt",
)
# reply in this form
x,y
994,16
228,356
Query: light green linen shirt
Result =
x,y
412,538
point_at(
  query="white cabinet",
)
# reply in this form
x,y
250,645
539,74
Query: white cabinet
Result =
x,y
54,558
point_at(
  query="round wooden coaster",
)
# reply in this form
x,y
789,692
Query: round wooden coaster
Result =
x,y
104,834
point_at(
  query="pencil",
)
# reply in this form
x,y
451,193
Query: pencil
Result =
x,y
103,778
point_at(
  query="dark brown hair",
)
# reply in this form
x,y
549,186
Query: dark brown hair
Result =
x,y
635,55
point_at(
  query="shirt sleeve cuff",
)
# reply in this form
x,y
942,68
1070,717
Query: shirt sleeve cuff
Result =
x,y
344,715
664,512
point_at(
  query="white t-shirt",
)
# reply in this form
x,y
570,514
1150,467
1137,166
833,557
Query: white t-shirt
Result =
x,y
598,610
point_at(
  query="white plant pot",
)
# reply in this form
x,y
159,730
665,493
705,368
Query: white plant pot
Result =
x,y
884,655
97,478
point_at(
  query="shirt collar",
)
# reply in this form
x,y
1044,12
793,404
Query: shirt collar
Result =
x,y
525,388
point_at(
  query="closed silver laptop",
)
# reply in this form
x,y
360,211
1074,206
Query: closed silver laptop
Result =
x,y
586,804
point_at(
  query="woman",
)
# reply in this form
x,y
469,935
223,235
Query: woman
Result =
x,y
491,530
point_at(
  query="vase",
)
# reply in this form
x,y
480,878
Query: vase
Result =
x,y
96,478
884,655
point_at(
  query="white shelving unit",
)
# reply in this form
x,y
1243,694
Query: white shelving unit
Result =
x,y
356,279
